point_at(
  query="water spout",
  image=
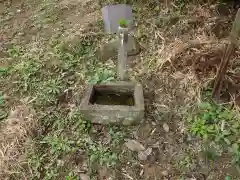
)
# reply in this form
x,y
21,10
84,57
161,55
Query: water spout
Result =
x,y
122,53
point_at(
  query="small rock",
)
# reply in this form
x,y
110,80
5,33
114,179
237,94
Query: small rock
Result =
x,y
134,145
164,173
85,165
148,151
166,127
84,177
143,155
154,124
156,145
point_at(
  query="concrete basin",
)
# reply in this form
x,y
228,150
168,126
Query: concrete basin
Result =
x,y
117,103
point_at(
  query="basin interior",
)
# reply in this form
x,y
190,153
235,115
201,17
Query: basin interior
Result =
x,y
108,96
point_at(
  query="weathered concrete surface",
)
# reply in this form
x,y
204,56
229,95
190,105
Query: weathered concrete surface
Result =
x,y
110,49
119,114
113,13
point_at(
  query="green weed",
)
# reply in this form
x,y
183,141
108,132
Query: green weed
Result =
x,y
35,161
3,115
51,173
182,178
185,163
116,136
1,99
214,122
218,124
48,90
15,51
102,76
235,149
71,57
58,144
24,71
180,6
200,128
210,154
102,155
27,73
52,86
228,178
3,71
46,13
67,135
123,23
107,155
72,176
39,71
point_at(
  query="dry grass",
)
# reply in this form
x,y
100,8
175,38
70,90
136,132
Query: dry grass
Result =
x,y
16,132
168,48
190,49
202,61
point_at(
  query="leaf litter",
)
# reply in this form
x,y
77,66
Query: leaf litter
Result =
x,y
166,127
143,155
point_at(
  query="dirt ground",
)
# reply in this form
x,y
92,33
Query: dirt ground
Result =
x,y
44,71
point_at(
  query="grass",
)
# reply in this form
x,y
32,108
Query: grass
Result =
x,y
43,70
3,114
186,163
70,137
63,134
48,73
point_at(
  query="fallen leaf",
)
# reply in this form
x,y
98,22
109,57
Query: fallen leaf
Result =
x,y
84,177
134,145
166,127
148,151
143,155
156,145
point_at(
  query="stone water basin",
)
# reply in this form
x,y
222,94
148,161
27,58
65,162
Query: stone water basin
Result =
x,y
113,103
